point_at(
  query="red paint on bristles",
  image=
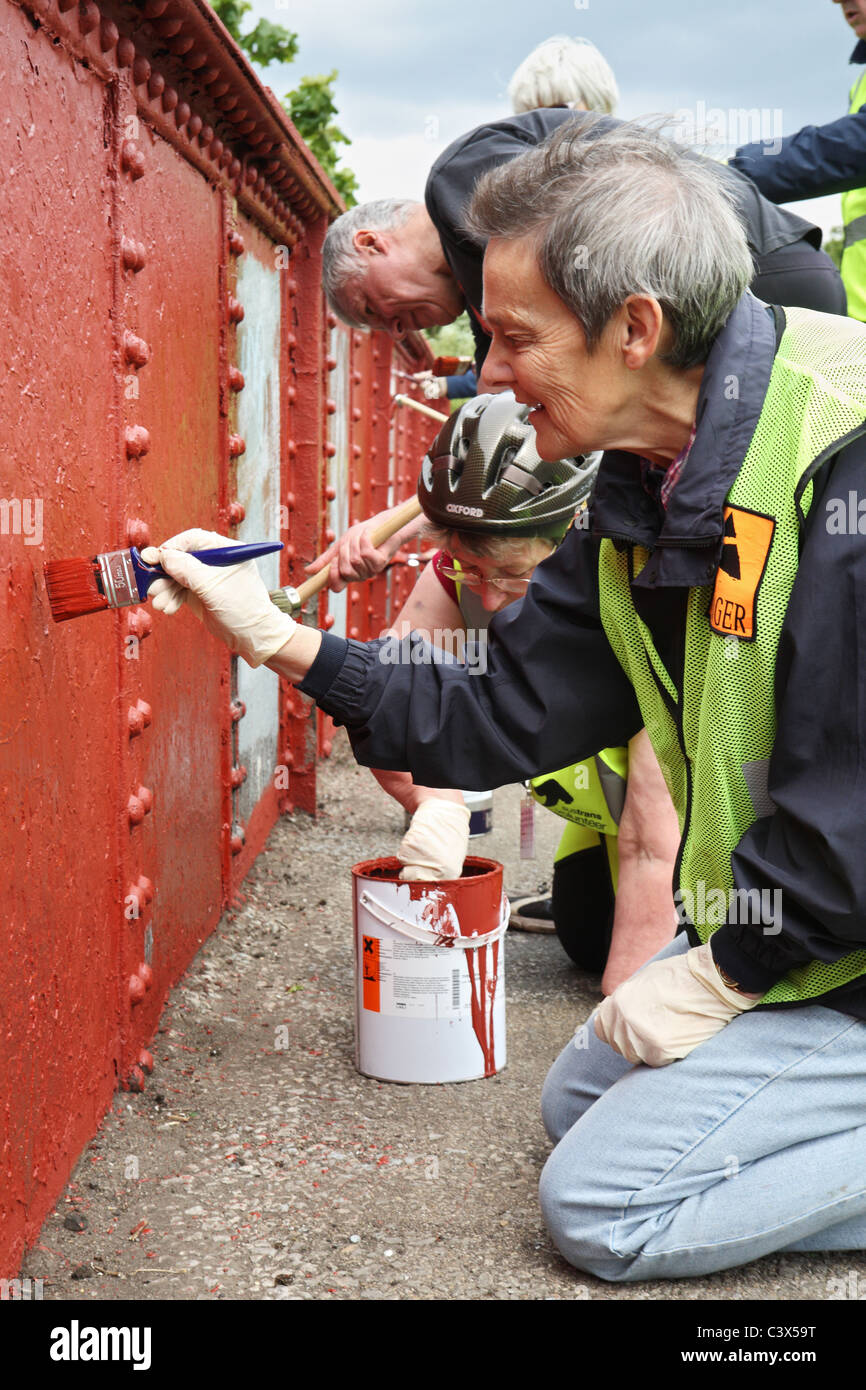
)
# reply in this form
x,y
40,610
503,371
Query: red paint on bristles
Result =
x,y
73,588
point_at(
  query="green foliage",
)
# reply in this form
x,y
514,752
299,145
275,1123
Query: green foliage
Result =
x,y
346,185
834,245
271,43
267,43
452,339
231,12
311,105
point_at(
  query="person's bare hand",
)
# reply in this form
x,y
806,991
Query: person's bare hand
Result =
x,y
353,556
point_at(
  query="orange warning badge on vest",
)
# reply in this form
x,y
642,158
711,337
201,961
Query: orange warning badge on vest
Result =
x,y
746,549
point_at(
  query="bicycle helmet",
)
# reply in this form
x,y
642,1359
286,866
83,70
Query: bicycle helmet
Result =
x,y
483,473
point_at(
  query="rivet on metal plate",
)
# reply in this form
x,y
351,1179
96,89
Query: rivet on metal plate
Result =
x,y
137,441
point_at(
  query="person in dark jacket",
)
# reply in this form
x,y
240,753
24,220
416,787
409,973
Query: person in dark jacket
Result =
x,y
407,266
826,159
712,1109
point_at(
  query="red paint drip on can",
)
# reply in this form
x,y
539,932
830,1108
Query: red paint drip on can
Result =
x,y
430,993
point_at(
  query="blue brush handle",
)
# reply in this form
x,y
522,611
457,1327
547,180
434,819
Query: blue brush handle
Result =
x,y
222,555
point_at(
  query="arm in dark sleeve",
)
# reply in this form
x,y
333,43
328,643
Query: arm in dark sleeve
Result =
x,y
544,691
811,849
817,160
453,177
461,387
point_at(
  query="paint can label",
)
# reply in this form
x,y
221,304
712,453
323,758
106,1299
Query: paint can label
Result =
x,y
406,980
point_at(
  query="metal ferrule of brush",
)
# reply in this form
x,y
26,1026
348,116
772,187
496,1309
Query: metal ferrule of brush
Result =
x,y
288,600
118,578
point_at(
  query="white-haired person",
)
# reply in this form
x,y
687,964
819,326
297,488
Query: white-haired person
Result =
x,y
564,72
399,265
716,601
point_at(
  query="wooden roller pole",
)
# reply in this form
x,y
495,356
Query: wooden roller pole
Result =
x,y
423,409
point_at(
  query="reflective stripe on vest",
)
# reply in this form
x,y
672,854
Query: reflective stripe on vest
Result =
x,y
855,231
713,725
854,219
590,793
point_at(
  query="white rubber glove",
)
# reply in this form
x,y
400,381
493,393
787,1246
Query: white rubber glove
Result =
x,y
668,1008
232,602
433,387
436,842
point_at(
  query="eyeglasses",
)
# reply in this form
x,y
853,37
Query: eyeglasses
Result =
x,y
513,584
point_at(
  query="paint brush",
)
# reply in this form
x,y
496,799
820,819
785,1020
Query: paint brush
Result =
x,y
422,409
119,578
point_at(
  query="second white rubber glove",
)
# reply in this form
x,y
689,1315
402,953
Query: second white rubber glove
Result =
x,y
436,842
233,602
670,1006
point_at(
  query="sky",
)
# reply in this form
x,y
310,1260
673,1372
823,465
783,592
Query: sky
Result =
x,y
414,75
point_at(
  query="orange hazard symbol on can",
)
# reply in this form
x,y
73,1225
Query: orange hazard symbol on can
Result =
x,y
370,972
745,551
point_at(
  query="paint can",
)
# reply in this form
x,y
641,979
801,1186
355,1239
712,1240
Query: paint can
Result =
x,y
430,973
480,812
480,806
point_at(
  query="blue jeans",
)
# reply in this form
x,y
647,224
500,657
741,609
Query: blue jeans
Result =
x,y
754,1143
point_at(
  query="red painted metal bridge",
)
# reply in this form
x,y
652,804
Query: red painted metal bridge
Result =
x,y
166,361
